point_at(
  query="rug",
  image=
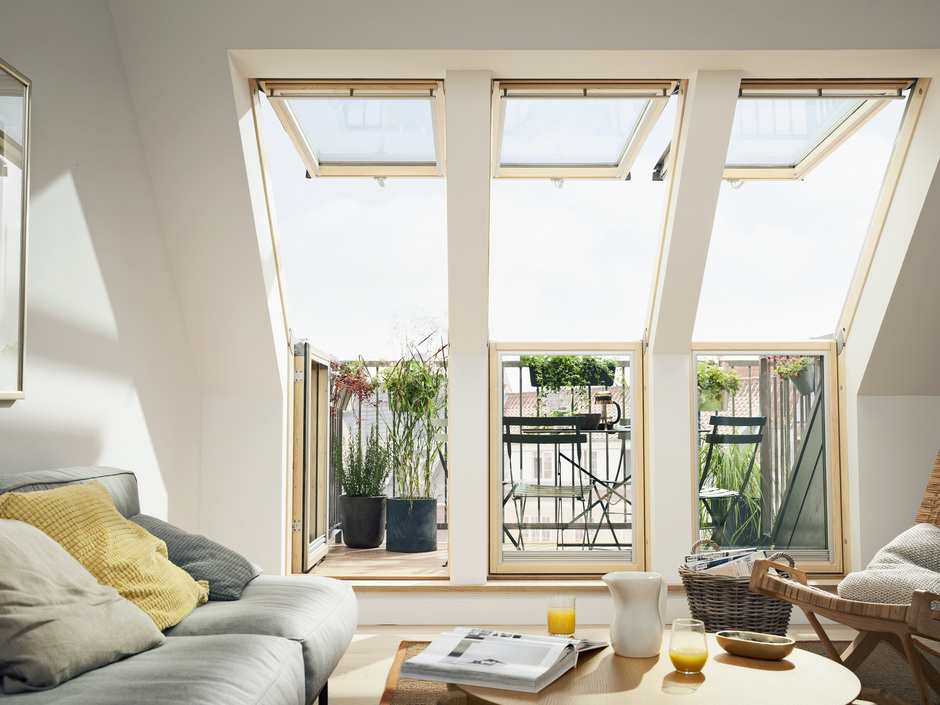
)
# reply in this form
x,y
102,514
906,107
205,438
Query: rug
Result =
x,y
406,691
883,669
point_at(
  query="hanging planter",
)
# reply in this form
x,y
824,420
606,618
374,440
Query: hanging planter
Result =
x,y
805,381
716,384
799,370
709,402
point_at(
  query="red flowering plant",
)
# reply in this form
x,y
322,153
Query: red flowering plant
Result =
x,y
789,366
350,379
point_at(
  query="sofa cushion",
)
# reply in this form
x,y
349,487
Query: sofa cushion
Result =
x,y
120,484
226,571
319,613
909,562
229,669
84,521
56,621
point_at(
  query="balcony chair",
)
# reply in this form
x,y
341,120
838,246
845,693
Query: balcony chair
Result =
x,y
542,431
895,624
707,492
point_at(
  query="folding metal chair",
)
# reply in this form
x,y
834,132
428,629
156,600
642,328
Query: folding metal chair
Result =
x,y
707,492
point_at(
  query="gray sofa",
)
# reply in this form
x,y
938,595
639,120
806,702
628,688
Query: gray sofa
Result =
x,y
275,645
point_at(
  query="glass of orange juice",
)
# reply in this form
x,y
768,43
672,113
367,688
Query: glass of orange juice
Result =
x,y
687,649
561,615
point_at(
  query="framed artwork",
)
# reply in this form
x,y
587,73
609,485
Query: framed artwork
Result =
x,y
14,194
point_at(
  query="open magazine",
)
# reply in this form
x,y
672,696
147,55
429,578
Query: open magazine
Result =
x,y
495,659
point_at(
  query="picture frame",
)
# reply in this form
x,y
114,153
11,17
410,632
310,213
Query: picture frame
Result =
x,y
14,196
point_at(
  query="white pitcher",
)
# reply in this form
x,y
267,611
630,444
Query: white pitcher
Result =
x,y
639,613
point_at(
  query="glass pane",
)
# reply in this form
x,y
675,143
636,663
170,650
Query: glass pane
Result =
x,y
368,130
763,477
576,263
12,182
781,132
783,253
567,460
377,255
578,131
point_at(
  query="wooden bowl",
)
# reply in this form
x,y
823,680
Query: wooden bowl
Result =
x,y
755,645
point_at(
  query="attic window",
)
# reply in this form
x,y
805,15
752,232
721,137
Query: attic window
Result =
x,y
573,129
782,129
357,128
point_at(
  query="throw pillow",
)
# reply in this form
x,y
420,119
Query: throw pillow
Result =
x,y
226,571
909,562
84,521
56,621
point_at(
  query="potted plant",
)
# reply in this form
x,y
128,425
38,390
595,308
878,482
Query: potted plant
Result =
x,y
362,475
570,372
417,400
799,370
715,385
597,372
349,379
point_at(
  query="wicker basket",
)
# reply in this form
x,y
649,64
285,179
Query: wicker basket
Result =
x,y
723,602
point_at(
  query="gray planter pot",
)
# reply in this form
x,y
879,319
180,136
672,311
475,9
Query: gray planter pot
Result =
x,y
363,521
805,382
411,525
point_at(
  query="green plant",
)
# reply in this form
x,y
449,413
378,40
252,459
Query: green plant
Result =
x,y
727,469
714,379
552,373
789,366
362,473
417,398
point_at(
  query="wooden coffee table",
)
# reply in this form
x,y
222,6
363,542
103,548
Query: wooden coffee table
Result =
x,y
603,678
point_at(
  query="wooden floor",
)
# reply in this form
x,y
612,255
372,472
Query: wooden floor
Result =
x,y
379,564
359,679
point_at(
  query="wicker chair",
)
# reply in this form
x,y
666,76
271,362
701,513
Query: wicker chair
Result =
x,y
896,625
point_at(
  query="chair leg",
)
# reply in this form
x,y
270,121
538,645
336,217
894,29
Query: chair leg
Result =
x,y
322,698
912,659
823,637
860,649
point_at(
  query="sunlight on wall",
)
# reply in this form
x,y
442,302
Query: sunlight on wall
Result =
x,y
70,281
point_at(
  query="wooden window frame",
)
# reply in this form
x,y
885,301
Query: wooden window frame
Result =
x,y
837,449
280,91
874,94
657,92
599,563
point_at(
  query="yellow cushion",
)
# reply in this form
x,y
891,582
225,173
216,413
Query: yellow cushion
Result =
x,y
84,521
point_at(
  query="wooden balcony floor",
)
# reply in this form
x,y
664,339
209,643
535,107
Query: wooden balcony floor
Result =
x,y
379,564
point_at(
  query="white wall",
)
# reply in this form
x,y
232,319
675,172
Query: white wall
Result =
x,y
109,372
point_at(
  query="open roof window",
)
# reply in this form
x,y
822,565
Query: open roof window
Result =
x,y
571,129
783,129
363,128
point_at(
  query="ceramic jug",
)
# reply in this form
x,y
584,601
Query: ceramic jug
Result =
x,y
639,613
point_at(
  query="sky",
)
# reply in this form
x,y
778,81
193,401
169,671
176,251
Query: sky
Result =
x,y
365,266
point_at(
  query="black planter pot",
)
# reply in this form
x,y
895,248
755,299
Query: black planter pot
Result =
x,y
411,525
363,521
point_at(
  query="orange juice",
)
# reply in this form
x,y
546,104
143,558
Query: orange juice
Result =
x,y
561,620
688,660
